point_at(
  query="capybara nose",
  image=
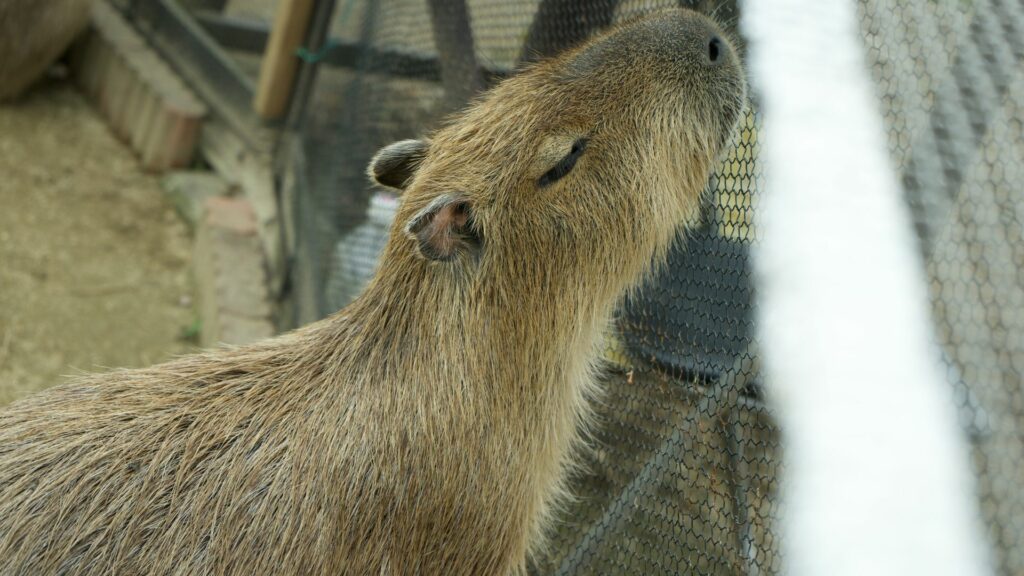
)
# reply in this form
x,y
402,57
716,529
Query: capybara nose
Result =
x,y
716,50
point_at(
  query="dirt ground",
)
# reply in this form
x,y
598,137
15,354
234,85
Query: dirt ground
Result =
x,y
94,262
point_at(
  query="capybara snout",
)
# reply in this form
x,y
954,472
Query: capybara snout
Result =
x,y
677,52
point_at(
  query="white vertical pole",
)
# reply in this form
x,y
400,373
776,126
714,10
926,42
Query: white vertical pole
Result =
x,y
877,477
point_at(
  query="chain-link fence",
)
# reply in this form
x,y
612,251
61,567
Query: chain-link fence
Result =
x,y
950,79
684,473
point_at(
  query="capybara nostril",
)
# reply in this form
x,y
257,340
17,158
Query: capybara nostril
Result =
x,y
715,49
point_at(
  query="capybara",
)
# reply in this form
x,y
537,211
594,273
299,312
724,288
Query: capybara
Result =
x,y
427,427
33,34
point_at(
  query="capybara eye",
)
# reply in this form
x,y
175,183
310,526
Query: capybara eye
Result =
x,y
714,49
564,165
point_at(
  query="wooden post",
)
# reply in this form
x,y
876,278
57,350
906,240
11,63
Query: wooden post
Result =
x,y
277,71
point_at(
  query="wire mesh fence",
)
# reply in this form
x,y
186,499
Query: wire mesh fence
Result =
x,y
951,86
683,477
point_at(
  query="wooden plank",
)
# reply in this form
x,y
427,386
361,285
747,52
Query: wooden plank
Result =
x,y
280,63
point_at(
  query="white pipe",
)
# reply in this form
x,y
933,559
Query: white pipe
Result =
x,y
877,479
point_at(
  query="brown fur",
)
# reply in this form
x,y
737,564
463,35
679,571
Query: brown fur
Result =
x,y
427,427
33,33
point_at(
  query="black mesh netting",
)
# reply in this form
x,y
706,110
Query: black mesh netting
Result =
x,y
684,475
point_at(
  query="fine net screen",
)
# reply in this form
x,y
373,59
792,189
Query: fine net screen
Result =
x,y
684,474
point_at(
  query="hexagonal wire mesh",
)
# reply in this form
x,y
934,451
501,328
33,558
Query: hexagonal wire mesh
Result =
x,y
683,477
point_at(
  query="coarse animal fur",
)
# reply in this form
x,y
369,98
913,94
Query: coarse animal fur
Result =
x,y
33,33
427,427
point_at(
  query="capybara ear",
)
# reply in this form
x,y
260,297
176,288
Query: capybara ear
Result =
x,y
394,165
444,228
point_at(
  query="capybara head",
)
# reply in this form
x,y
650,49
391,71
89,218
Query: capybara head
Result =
x,y
579,169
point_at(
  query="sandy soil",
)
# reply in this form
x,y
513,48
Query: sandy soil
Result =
x,y
93,259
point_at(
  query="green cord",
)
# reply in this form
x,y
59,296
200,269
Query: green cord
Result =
x,y
319,55
314,57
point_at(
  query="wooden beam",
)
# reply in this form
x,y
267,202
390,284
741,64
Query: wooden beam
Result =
x,y
277,71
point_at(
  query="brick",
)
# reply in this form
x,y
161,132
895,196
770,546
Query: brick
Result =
x,y
130,86
132,115
182,138
188,191
156,137
113,85
93,64
231,276
231,213
144,121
